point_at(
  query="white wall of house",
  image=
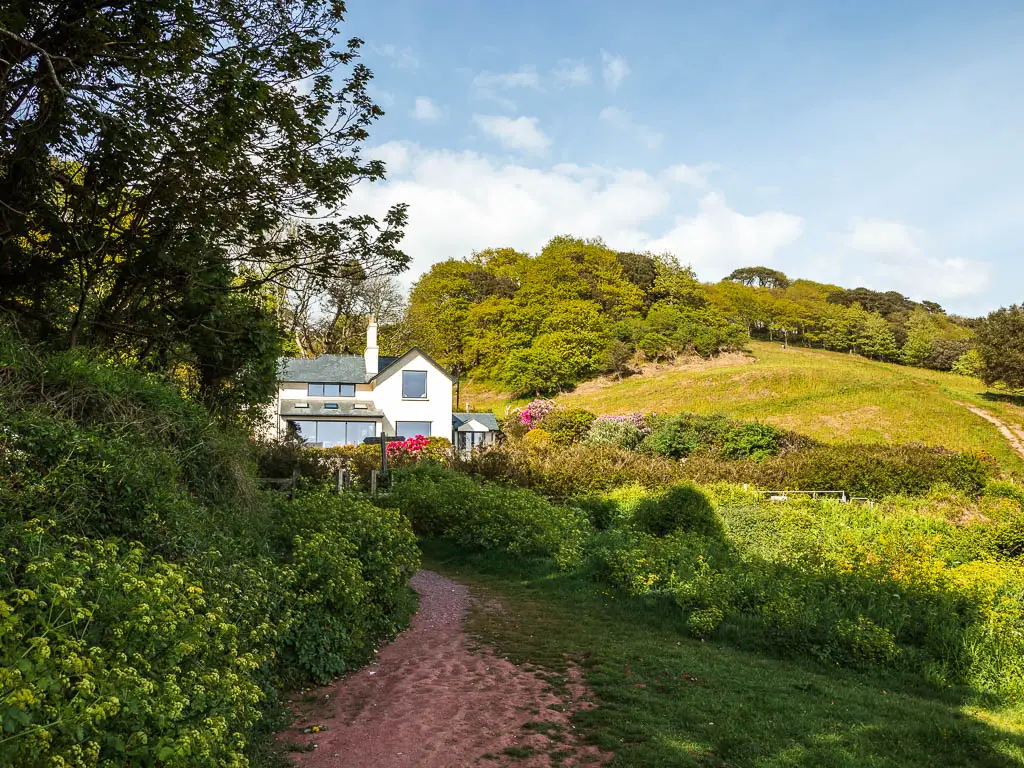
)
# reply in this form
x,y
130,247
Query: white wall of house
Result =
x,y
436,408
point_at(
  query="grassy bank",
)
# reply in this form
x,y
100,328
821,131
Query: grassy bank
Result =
x,y
668,700
831,396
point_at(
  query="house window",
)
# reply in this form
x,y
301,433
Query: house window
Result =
x,y
328,434
331,390
414,385
412,428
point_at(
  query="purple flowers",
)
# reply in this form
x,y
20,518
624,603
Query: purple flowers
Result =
x,y
634,419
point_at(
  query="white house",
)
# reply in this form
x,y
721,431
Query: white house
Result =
x,y
343,399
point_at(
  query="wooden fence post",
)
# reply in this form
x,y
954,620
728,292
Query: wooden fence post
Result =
x,y
373,482
340,485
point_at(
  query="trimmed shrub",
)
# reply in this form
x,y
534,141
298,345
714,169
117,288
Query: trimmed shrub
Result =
x,y
752,441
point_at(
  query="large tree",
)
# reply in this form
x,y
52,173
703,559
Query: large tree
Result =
x,y
1001,344
164,163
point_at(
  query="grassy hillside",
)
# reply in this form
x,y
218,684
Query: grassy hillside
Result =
x,y
831,396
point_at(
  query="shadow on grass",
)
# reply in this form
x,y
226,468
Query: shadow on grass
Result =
x,y
1003,397
668,700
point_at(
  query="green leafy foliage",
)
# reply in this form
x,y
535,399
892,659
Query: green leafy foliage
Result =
x,y
846,584
1001,344
441,502
152,600
539,324
568,426
159,179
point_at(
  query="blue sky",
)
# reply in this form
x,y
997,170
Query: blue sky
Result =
x,y
868,143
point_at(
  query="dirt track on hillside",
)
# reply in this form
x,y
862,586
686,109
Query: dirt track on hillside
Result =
x,y
432,701
1014,435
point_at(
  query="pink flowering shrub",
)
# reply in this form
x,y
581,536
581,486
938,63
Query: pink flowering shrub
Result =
x,y
534,412
402,453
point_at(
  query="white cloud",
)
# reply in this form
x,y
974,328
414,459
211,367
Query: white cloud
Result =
x,y
401,58
894,256
623,121
615,69
571,73
465,201
695,176
491,85
521,133
718,239
880,236
425,110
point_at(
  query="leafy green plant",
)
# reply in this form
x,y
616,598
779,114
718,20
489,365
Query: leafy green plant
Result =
x,y
568,425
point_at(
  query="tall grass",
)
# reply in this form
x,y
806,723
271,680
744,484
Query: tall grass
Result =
x,y
830,396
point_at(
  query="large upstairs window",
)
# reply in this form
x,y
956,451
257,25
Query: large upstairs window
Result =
x,y
414,385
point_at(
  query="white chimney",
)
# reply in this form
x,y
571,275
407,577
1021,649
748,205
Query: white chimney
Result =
x,y
372,352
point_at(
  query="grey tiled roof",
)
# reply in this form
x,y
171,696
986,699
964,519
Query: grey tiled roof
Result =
x,y
329,369
316,408
486,419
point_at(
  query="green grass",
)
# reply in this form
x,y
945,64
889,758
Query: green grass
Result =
x,y
667,700
831,396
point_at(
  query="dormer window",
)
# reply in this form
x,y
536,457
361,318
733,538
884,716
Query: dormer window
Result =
x,y
331,390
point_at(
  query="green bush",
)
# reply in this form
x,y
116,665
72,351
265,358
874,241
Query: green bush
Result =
x,y
112,657
440,502
752,441
152,600
685,434
352,561
681,508
678,436
615,433
568,425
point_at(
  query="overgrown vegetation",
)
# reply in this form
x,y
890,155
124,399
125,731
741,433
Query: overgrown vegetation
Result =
x,y
668,699
896,586
153,600
546,448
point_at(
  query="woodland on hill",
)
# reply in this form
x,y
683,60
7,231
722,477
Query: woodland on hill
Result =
x,y
542,323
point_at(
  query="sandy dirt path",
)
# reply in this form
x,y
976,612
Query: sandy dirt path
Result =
x,y
1015,435
431,700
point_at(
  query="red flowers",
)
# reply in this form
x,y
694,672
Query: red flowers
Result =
x,y
413,445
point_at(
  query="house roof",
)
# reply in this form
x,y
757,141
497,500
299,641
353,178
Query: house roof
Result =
x,y
488,420
329,369
318,408
342,369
